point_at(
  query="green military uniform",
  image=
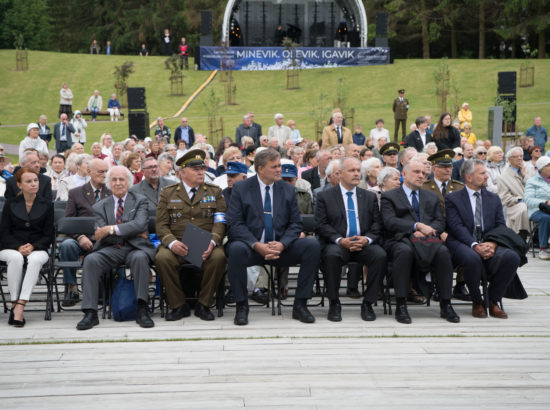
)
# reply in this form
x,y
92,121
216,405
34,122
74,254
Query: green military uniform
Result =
x,y
452,186
207,211
400,109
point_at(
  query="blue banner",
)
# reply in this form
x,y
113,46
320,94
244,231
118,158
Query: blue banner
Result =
x,y
278,58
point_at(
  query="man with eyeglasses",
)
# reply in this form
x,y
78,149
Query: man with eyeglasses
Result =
x,y
481,154
152,183
79,203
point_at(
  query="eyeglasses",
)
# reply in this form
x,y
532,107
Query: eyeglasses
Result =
x,y
481,153
152,167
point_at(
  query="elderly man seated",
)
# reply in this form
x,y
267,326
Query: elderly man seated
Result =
x,y
121,239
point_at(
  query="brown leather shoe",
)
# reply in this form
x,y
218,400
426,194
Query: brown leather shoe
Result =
x,y
478,310
496,311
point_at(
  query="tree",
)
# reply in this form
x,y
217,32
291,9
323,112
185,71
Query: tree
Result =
x,y
29,18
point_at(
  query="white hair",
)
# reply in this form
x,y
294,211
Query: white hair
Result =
x,y
385,173
129,176
511,152
332,166
367,164
81,158
279,115
428,146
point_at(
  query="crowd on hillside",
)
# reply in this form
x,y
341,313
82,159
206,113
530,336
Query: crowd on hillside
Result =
x,y
361,189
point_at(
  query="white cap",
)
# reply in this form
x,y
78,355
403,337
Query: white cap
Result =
x,y
543,162
457,150
31,126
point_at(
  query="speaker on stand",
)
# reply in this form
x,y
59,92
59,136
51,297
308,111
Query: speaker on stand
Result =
x,y
138,117
381,39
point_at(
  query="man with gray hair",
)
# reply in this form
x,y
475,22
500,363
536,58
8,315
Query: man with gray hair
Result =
x,y
152,183
121,239
95,103
332,173
247,129
279,130
316,176
336,133
472,213
30,160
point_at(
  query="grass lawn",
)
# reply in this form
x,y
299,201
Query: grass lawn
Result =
x,y
370,90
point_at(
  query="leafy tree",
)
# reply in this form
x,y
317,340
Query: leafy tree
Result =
x,y
27,17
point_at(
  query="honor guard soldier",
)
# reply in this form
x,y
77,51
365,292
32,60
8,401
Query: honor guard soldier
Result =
x,y
390,154
400,109
202,204
442,184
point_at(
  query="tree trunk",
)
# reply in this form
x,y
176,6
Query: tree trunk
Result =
x,y
425,34
481,54
542,44
454,51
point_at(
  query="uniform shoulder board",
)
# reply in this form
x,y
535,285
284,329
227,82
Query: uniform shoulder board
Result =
x,y
171,186
454,181
211,184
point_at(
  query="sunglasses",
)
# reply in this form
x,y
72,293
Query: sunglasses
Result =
x,y
481,153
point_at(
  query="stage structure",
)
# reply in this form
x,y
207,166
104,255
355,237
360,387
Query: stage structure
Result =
x,y
311,23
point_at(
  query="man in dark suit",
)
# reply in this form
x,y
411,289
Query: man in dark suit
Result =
x,y
44,130
249,130
62,134
472,212
316,176
79,203
152,183
419,137
185,132
30,160
411,214
349,227
264,225
121,239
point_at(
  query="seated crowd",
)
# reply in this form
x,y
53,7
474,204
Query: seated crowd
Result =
x,y
410,216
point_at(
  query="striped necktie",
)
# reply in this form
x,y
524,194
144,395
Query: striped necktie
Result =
x,y
119,212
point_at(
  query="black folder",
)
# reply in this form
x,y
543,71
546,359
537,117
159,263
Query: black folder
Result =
x,y
197,241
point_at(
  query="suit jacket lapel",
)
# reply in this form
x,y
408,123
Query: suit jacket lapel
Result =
x,y
129,204
468,213
110,210
405,200
361,208
487,214
339,202
257,197
89,195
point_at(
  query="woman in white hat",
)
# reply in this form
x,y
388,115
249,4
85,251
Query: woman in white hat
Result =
x,y
79,125
32,141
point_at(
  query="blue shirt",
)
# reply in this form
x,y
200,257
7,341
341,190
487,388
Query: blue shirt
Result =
x,y
185,134
359,139
113,103
540,135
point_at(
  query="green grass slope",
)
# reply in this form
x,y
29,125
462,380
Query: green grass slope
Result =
x,y
370,90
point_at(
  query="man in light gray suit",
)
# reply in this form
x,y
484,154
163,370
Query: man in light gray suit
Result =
x,y
121,239
152,183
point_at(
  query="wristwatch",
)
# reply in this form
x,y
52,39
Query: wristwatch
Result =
x,y
111,230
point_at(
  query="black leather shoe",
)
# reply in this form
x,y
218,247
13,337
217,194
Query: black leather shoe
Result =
x,y
143,319
335,312
90,320
353,293
367,313
460,291
402,314
448,313
260,296
203,312
178,313
229,297
70,299
302,314
241,315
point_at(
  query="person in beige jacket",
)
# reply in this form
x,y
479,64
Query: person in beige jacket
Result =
x,y
336,133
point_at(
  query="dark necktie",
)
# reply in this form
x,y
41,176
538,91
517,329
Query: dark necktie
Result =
x,y
415,205
339,135
193,192
119,212
443,188
478,221
97,192
351,215
62,130
268,217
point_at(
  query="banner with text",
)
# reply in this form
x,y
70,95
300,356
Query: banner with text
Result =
x,y
278,58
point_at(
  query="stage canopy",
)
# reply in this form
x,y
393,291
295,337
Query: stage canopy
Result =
x,y
312,23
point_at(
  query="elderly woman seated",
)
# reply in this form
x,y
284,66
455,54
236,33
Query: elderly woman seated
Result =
x,y
27,232
388,178
495,167
537,198
369,173
511,188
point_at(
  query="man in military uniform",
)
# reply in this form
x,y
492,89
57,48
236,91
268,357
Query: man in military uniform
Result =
x,y
203,204
442,184
400,108
390,154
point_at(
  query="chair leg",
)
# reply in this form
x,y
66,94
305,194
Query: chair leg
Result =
x,y
220,295
3,297
49,294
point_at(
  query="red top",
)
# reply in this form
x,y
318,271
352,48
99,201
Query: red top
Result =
x,y
184,50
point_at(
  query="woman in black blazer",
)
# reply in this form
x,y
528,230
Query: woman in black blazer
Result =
x,y
27,233
445,135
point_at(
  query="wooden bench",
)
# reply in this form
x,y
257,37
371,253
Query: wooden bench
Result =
x,y
102,113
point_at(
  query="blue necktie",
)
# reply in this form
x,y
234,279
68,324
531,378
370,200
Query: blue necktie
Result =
x,y
415,205
351,215
268,217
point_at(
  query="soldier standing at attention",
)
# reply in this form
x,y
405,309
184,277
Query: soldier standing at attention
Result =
x,y
442,184
400,108
202,204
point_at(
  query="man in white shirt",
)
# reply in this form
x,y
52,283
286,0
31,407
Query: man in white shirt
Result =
x,y
280,131
378,132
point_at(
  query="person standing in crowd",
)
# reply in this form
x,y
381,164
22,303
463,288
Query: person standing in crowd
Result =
x,y
379,131
108,48
79,124
183,132
537,198
94,104
419,137
445,135
465,117
27,228
400,109
94,47
336,133
248,130
294,132
166,42
163,131
33,141
66,101
539,133
43,130
183,52
279,130
113,106
358,136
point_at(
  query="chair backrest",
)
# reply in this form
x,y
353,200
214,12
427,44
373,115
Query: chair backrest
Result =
x,y
308,222
60,204
58,213
152,224
80,225
54,194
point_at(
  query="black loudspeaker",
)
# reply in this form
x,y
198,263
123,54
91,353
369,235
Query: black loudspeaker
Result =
x,y
136,98
507,82
381,24
381,42
206,38
138,124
